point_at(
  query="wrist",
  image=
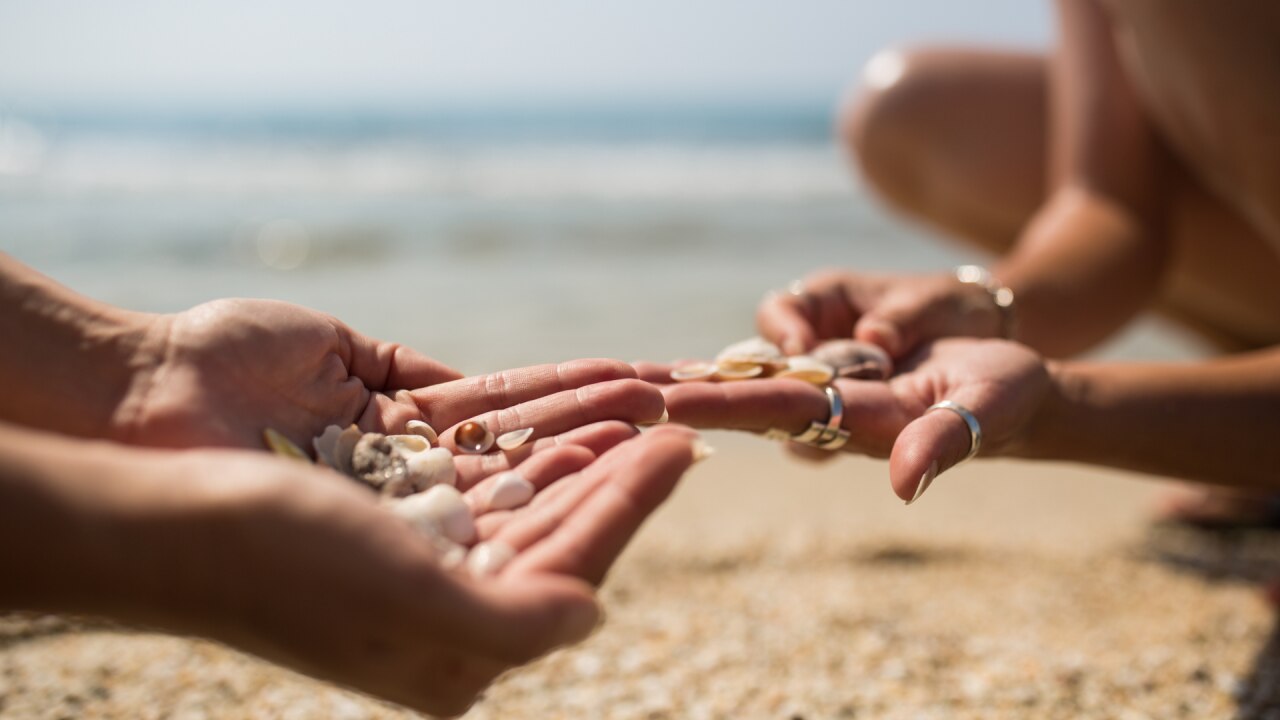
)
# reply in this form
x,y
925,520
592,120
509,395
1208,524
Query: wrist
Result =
x,y
1046,436
76,360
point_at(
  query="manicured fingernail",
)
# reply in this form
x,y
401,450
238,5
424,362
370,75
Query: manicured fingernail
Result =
x,y
925,481
701,450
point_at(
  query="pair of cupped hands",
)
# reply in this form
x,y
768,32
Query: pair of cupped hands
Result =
x,y
311,572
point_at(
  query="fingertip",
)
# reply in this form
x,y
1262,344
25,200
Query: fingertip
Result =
x,y
879,332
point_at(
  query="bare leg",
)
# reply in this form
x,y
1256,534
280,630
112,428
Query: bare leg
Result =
x,y
956,138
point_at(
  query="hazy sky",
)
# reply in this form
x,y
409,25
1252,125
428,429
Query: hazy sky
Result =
x,y
283,52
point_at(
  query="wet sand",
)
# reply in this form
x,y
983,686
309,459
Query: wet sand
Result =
x,y
769,588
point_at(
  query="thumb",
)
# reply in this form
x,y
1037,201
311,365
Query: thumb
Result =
x,y
926,447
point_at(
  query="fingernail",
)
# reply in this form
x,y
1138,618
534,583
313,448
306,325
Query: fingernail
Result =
x,y
885,335
925,481
664,418
701,450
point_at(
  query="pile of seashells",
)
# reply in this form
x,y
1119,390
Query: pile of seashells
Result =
x,y
418,482
758,358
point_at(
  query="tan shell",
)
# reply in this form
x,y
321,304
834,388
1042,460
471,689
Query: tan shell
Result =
x,y
281,445
325,444
418,427
430,468
473,438
803,367
691,372
440,510
409,444
739,372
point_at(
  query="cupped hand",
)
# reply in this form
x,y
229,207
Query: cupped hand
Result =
x,y
300,565
1002,383
896,312
222,372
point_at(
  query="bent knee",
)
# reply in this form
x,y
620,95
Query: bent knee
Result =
x,y
890,124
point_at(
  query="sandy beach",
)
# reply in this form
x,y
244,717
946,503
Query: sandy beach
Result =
x,y
770,588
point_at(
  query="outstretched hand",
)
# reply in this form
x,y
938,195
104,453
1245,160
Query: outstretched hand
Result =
x,y
1002,383
896,312
302,566
225,370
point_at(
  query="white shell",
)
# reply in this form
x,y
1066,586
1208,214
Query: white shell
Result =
x,y
752,351
488,558
418,427
693,371
803,367
514,439
326,443
346,445
407,445
439,510
510,491
431,467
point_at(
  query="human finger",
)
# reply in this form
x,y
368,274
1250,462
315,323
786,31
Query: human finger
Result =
x,y
447,404
629,400
538,471
929,445
596,438
785,318
585,542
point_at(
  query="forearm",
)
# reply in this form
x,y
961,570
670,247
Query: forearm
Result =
x,y
68,362
58,505
1082,269
1214,422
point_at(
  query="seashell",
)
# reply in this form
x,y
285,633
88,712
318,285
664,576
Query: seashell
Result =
x,y
488,558
431,467
282,445
855,359
473,437
440,510
326,443
375,462
752,351
514,439
738,372
345,447
803,367
408,444
510,490
418,427
693,371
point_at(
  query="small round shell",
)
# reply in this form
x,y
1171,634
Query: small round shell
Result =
x,y
473,437
693,371
408,444
803,367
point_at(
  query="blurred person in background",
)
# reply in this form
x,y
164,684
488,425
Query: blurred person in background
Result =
x,y
1136,167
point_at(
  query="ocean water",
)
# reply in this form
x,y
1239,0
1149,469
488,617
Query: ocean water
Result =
x,y
486,237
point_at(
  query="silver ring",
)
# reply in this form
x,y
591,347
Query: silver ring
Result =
x,y
975,430
826,436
